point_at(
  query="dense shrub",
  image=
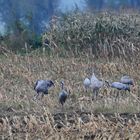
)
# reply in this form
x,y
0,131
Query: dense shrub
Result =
x,y
22,40
106,34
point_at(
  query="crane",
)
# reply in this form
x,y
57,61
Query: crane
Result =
x,y
42,86
127,80
95,85
86,83
63,94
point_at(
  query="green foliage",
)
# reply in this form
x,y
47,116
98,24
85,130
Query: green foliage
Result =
x,y
23,22
25,41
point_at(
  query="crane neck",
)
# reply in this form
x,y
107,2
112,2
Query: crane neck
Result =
x,y
108,84
62,85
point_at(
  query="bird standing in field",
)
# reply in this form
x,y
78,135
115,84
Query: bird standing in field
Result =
x,y
42,86
127,80
86,83
63,94
95,85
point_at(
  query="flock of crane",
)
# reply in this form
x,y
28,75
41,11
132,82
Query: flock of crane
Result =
x,y
95,84
42,86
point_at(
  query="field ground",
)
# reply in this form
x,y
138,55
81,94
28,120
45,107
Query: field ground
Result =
x,y
81,118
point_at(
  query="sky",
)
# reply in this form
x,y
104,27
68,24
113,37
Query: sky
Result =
x,y
70,4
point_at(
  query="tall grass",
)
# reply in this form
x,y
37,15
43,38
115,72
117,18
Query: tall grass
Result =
x,y
104,34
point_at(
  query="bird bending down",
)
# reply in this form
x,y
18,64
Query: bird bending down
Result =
x,y
119,86
86,83
63,94
42,86
127,80
95,85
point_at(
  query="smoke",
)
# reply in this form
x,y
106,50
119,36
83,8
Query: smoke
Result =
x,y
32,14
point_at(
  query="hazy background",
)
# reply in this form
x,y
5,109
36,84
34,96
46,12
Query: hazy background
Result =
x,y
35,14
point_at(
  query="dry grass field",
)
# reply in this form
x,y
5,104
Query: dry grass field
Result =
x,y
78,43
81,118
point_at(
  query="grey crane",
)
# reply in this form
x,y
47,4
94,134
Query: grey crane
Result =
x,y
42,86
127,80
86,83
95,85
63,94
119,86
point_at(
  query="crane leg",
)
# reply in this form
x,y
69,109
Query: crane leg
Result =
x,y
97,93
42,96
85,90
35,97
117,96
62,107
93,95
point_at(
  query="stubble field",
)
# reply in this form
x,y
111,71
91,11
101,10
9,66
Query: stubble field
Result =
x,y
81,118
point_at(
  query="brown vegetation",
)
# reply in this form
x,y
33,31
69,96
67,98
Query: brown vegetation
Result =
x,y
81,118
